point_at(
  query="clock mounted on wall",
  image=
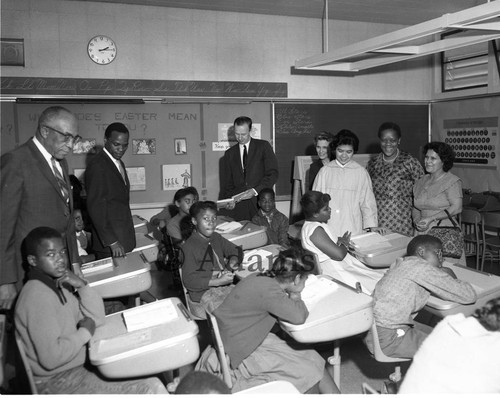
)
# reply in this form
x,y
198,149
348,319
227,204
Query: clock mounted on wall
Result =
x,y
101,50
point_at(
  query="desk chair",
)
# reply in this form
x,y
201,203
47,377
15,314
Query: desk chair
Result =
x,y
379,356
473,230
491,223
219,347
188,301
26,364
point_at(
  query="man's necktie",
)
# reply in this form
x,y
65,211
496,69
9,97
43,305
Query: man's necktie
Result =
x,y
60,181
122,171
245,156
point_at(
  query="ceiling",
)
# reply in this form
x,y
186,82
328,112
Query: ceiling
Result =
x,y
401,12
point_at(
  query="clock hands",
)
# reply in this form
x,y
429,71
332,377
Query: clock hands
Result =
x,y
105,49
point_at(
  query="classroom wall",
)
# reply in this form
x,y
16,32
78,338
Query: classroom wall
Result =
x,y
181,44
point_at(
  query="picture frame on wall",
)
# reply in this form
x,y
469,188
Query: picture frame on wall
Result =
x,y
137,178
84,146
12,52
180,146
144,146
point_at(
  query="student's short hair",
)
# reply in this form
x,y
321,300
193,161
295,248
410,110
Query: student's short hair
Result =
x,y
198,207
263,191
389,126
425,241
196,382
288,265
117,126
35,238
489,315
183,192
241,120
323,135
444,151
344,137
313,201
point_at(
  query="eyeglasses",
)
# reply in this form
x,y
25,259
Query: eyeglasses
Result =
x,y
389,141
68,138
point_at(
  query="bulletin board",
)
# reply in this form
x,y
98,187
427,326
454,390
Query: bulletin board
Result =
x,y
176,135
297,123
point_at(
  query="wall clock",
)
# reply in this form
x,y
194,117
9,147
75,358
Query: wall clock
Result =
x,y
101,50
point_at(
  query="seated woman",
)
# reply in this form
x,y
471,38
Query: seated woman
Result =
x,y
334,259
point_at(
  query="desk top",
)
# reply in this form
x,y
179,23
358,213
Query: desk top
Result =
x,y
144,241
122,267
487,286
380,255
112,342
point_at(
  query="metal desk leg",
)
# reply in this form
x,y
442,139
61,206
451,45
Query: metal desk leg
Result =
x,y
335,362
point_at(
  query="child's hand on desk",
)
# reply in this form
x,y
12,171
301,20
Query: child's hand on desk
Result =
x,y
380,230
87,323
222,279
71,279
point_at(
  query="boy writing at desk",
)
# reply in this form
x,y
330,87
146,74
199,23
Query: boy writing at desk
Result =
x,y
55,324
405,289
204,274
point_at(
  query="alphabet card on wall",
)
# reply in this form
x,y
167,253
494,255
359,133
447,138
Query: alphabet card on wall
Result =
x,y
176,176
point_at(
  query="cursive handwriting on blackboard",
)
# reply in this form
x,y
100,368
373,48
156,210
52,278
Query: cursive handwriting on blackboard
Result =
x,y
293,120
140,87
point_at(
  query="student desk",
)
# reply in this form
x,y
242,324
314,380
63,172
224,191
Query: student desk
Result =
x,y
487,287
119,353
126,276
141,225
343,312
379,255
258,263
147,245
249,236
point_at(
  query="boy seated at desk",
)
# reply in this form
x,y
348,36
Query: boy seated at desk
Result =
x,y
83,238
208,261
267,216
55,316
405,289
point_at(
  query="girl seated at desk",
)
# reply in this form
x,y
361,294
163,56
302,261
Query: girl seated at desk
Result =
x,y
246,318
335,261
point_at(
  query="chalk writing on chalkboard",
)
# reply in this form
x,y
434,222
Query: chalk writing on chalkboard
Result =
x,y
130,87
293,120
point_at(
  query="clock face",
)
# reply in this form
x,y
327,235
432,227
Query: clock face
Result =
x,y
101,50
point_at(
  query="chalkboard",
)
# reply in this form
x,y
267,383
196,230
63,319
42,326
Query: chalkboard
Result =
x,y
154,125
297,123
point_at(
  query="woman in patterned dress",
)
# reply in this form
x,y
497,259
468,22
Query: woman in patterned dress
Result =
x,y
393,173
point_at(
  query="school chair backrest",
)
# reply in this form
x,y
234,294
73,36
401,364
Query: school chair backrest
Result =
x,y
473,230
219,347
379,356
188,301
26,364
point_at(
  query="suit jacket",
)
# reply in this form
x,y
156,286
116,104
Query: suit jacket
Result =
x,y
262,172
31,198
108,204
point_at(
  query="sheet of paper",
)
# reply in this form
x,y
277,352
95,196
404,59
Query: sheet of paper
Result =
x,y
316,289
148,315
371,241
227,227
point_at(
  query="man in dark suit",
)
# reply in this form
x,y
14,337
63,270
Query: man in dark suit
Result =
x,y
108,196
246,169
36,191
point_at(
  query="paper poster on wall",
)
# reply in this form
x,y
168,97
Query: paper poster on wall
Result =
x,y
226,137
137,178
176,176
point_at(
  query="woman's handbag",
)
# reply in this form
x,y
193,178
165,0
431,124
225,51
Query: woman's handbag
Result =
x,y
451,237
